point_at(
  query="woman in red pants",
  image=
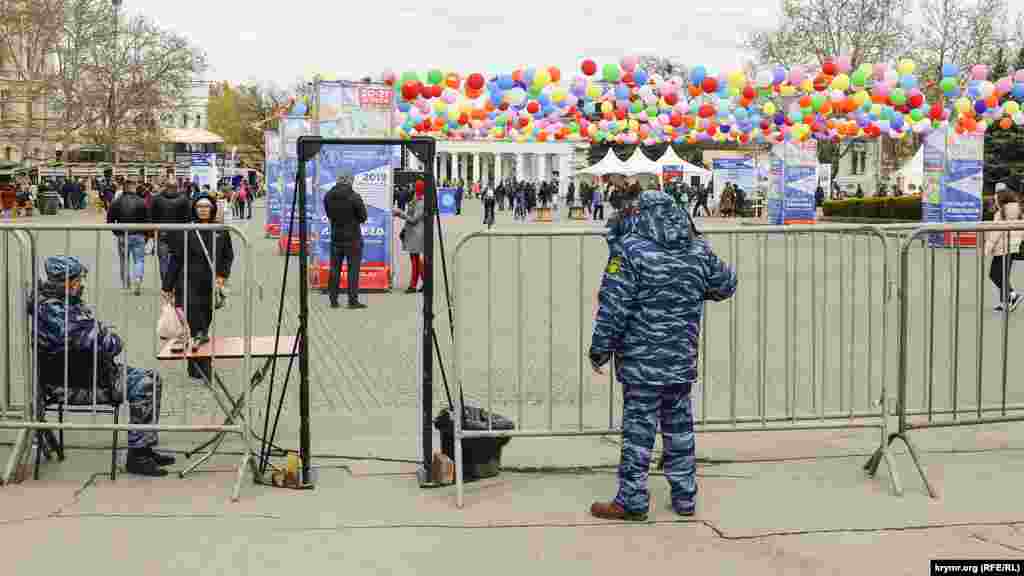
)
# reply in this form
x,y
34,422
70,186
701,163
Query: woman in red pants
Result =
x,y
412,237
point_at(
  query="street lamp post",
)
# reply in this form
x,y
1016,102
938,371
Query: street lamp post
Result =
x,y
114,80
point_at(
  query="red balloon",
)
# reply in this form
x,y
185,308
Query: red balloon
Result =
x,y
589,67
671,99
463,119
936,112
475,81
410,90
436,91
555,74
706,111
749,93
620,114
421,187
710,85
533,107
677,119
628,79
524,122
829,67
426,91
916,100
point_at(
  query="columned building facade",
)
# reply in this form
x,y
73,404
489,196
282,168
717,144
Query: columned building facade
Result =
x,y
496,161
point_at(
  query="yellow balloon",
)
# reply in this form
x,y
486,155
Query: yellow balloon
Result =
x,y
963,105
558,95
769,108
841,82
737,80
807,85
634,125
860,97
593,91
876,109
440,106
906,67
606,107
453,114
542,77
1011,108
787,90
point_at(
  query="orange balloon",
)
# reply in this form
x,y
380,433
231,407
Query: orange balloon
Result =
x,y
826,108
745,102
453,80
694,91
488,105
517,75
805,101
970,124
555,74
1005,123
992,102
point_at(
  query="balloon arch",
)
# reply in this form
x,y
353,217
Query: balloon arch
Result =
x,y
621,103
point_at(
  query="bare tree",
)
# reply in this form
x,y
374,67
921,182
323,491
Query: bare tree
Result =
x,y
662,66
30,31
811,30
87,23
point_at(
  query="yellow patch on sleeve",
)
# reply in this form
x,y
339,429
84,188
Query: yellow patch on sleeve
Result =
x,y
614,265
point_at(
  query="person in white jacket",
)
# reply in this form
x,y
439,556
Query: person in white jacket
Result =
x,y
1003,246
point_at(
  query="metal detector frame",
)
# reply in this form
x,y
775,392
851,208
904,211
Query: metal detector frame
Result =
x,y
424,149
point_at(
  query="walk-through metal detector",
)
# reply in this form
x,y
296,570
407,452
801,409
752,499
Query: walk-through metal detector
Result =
x,y
308,147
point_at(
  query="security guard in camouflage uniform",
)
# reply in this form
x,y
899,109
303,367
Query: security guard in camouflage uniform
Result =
x,y
649,316
68,329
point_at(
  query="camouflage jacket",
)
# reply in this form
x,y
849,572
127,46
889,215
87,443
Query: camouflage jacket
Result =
x,y
652,296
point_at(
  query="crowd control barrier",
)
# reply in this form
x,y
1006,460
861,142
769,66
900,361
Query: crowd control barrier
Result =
x,y
800,346
956,361
134,317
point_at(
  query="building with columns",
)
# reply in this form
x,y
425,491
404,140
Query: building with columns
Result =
x,y
495,161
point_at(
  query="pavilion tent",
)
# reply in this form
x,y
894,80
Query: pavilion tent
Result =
x,y
671,160
610,164
912,172
639,164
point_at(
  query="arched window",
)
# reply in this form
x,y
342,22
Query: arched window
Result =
x,y
7,153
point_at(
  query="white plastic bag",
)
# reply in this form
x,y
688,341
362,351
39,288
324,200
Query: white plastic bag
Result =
x,y
170,326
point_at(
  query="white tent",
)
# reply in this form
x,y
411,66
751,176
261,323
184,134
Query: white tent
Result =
x,y
610,164
672,160
639,164
912,172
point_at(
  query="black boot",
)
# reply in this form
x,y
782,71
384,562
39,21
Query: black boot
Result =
x,y
161,459
142,464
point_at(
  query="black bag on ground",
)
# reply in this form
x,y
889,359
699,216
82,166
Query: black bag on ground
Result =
x,y
481,457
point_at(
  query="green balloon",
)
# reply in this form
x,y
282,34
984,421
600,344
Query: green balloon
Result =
x,y
859,78
636,107
500,120
534,91
435,76
611,72
948,84
898,97
916,115
652,111
409,77
817,101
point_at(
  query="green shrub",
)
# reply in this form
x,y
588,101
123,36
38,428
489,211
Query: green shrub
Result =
x,y
887,207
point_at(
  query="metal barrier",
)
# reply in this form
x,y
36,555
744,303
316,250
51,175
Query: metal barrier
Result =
x,y
14,277
42,245
942,397
775,377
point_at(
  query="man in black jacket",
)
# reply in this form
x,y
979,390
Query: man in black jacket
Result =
x,y
346,211
170,206
130,208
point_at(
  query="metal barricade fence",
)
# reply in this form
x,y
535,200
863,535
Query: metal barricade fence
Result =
x,y
15,275
800,346
46,240
962,378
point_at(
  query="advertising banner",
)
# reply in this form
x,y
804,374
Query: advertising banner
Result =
x,y
272,170
801,181
932,184
962,186
776,213
204,171
372,179
736,171
292,128
446,201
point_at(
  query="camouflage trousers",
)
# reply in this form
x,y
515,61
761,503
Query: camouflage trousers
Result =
x,y
144,388
644,407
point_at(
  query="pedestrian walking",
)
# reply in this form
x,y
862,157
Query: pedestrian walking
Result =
x,y
1003,247
488,206
412,237
130,208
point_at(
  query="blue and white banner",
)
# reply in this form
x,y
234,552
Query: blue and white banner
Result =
x,y
372,179
953,180
446,201
776,213
736,171
204,171
801,182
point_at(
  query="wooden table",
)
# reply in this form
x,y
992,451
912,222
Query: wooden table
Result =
x,y
229,347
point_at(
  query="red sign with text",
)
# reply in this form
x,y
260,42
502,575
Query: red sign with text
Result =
x,y
375,97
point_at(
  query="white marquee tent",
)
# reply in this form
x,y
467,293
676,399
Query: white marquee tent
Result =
x,y
639,164
610,164
912,172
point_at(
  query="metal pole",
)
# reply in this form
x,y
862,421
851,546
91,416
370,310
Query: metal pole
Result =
x,y
429,208
300,189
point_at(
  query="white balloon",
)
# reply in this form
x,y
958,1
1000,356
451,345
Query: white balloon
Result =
x,y
764,78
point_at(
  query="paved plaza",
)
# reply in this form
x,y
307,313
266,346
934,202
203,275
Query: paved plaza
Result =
x,y
804,339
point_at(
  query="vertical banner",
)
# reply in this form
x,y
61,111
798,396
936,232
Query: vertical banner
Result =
x,y
776,213
292,128
200,171
962,186
372,179
931,188
800,175
736,171
446,201
272,170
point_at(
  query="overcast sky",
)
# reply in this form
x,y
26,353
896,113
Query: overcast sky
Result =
x,y
279,41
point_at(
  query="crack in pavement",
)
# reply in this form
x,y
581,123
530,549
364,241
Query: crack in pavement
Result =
x,y
981,538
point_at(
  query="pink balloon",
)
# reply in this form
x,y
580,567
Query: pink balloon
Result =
x,y
1004,85
979,72
796,75
629,63
880,70
843,63
389,75
1019,76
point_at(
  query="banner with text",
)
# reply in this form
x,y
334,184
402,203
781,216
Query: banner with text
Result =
x,y
292,128
776,212
272,170
372,179
736,171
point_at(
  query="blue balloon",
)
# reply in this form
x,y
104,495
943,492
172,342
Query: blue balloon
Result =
x,y
780,118
404,106
496,97
1018,90
589,109
528,76
896,122
621,91
950,70
697,75
974,88
725,128
908,82
779,75
980,106
505,82
640,77
299,109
